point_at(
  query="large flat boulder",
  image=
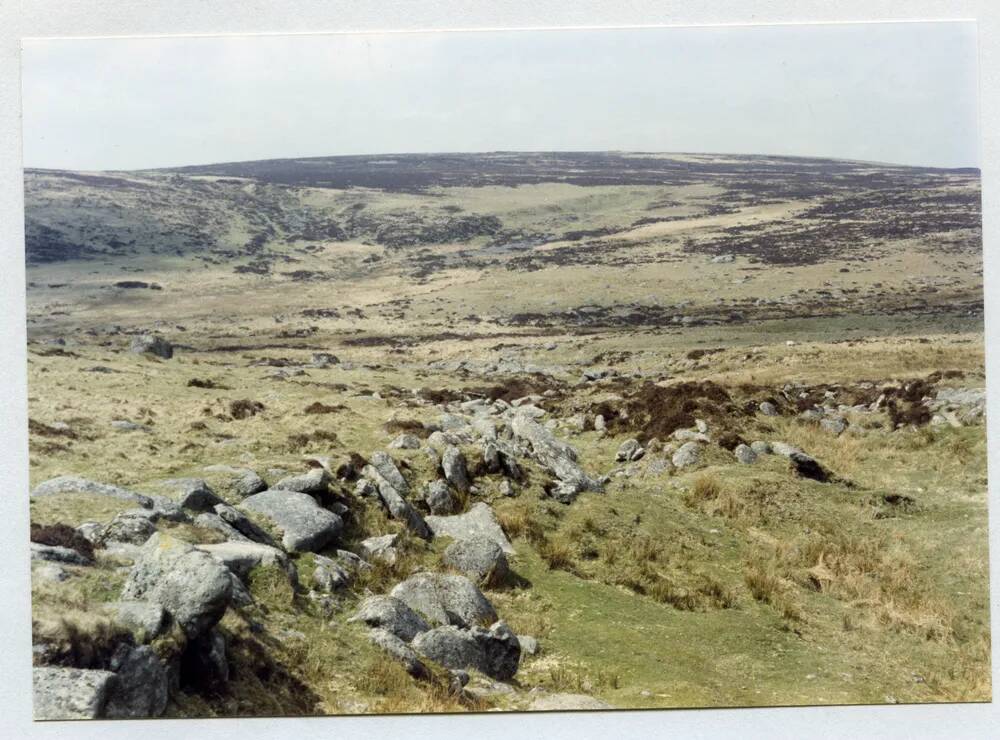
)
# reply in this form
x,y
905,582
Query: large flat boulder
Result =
x,y
479,522
191,585
75,484
494,651
445,599
70,693
479,558
305,526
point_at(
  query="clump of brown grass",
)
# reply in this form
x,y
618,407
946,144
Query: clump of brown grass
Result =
x,y
519,519
557,553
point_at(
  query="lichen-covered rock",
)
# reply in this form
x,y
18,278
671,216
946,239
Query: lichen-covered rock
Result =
x,y
686,455
745,454
191,585
380,548
146,620
316,481
386,478
439,498
243,557
305,526
494,651
445,599
478,522
193,493
127,527
405,441
479,558
75,484
141,688
399,650
454,468
391,614
152,344
58,554
70,693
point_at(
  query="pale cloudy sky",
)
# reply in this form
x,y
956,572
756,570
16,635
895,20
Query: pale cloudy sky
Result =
x,y
904,93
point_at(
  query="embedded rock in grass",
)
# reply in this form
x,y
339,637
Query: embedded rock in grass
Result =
x,y
555,455
454,468
494,651
688,454
191,585
75,484
243,557
316,481
127,527
768,409
478,521
835,425
391,614
215,523
193,493
144,619
141,687
380,548
58,554
242,524
479,558
629,450
405,442
399,650
385,466
439,498
745,454
305,526
761,447
392,496
445,599
70,693
152,344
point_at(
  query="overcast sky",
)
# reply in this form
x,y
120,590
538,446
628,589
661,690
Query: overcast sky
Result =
x,y
903,93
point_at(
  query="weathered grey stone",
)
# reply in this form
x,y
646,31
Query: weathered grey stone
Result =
x,y
242,524
399,650
191,585
127,527
386,468
215,523
152,344
304,524
445,599
439,498
567,703
630,449
555,455
479,558
405,442
123,425
316,481
688,454
454,468
478,522
784,449
380,548
768,409
495,652
193,493
745,454
50,572
90,531
529,645
75,484
243,557
391,614
57,554
141,688
835,425
599,424
69,693
144,619
761,447
393,498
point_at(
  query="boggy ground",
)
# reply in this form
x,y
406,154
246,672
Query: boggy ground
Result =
x,y
711,584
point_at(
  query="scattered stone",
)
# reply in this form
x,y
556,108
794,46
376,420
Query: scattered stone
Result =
x,y
380,548
57,554
123,425
392,496
688,454
768,409
305,526
141,688
688,435
324,359
529,645
242,524
478,522
629,450
495,652
454,468
390,614
70,693
316,481
479,558
439,498
557,456
152,344
745,454
445,599
396,648
146,620
75,484
190,585
599,424
193,494
836,425
760,447
405,442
